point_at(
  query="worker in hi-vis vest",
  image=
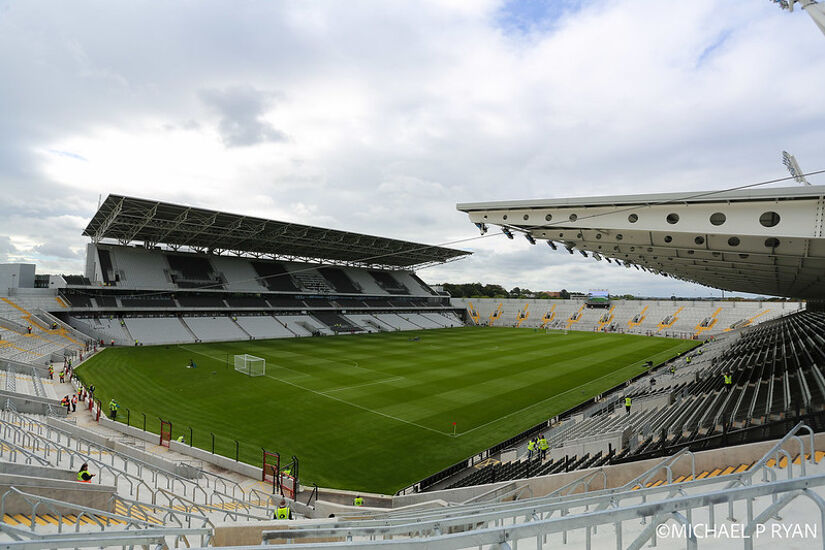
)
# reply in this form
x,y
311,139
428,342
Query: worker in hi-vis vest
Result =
x,y
283,511
728,380
531,446
358,500
180,439
543,446
83,475
627,403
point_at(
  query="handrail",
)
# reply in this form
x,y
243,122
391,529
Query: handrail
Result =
x,y
169,513
538,526
115,472
601,498
56,506
171,477
156,469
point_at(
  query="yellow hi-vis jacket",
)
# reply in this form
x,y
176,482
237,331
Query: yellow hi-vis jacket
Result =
x,y
728,379
358,501
282,513
627,401
531,445
543,446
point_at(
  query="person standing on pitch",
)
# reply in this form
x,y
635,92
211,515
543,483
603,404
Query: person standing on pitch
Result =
x,y
627,403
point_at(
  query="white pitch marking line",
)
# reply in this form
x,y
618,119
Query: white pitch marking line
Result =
x,y
362,385
356,405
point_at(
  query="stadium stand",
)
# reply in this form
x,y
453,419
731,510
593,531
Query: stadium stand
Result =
x,y
632,316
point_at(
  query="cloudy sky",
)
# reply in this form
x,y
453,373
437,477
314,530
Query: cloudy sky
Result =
x,y
378,117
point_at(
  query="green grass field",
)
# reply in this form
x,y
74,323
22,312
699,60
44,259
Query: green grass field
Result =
x,y
371,412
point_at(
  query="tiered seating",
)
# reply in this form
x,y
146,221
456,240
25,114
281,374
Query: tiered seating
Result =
x,y
274,276
215,329
336,322
156,330
303,325
136,268
338,279
264,326
389,283
190,271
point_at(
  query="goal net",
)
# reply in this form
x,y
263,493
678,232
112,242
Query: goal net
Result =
x,y
250,365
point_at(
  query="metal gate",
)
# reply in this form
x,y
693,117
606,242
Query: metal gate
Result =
x,y
165,432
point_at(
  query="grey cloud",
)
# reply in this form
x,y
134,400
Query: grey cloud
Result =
x,y
241,111
56,250
6,248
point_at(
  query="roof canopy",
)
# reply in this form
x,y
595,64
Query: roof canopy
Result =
x,y
768,241
128,219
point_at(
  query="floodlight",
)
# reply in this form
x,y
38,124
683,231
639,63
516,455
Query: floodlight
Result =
x,y
481,227
790,163
552,245
583,253
569,248
507,232
529,238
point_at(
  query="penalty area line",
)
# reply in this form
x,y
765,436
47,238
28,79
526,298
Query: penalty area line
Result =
x,y
345,402
362,385
357,406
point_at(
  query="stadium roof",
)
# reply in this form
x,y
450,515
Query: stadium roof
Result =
x,y
129,219
768,241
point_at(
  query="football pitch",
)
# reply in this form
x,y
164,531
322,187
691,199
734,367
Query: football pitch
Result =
x,y
370,412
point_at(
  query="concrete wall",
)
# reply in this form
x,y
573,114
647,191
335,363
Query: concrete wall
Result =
x,y
30,404
128,450
235,534
16,276
82,494
199,454
14,468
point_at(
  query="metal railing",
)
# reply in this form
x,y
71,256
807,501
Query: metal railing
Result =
x,y
507,529
562,500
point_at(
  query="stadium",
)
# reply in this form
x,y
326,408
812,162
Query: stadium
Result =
x,y
218,379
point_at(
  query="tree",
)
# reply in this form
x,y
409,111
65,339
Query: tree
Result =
x,y
564,294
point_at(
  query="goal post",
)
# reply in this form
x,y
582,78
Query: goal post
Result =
x,y
250,365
